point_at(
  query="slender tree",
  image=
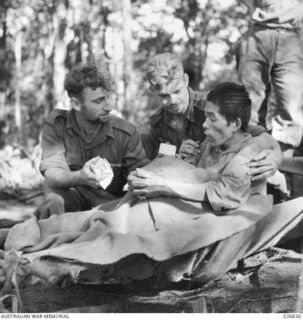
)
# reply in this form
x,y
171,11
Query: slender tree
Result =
x,y
128,72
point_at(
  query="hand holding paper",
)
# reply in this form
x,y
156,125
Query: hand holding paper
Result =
x,y
103,171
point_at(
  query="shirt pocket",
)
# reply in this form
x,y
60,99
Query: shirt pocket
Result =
x,y
73,154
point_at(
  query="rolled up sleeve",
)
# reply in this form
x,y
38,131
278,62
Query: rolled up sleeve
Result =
x,y
53,150
231,189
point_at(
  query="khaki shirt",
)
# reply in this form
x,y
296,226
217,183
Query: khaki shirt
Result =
x,y
117,141
233,185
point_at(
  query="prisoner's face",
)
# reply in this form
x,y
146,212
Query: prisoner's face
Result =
x,y
95,105
173,96
216,128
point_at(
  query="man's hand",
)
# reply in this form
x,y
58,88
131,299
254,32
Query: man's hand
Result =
x,y
189,148
262,166
87,176
64,178
146,185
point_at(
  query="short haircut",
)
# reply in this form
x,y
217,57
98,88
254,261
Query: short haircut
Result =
x,y
87,75
233,102
163,69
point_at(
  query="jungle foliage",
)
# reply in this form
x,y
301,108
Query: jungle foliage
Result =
x,y
41,39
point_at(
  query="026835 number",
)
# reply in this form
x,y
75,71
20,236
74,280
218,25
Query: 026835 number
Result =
x,y
292,315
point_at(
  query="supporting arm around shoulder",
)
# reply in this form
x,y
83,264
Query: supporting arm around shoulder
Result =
x,y
267,162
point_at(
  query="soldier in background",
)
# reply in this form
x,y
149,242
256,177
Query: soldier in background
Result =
x,y
271,55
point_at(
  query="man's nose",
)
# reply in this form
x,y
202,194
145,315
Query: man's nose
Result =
x,y
173,99
108,107
205,124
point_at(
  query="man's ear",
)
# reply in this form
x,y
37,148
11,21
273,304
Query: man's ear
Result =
x,y
75,104
238,124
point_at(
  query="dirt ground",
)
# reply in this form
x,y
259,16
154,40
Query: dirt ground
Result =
x,y
271,289
274,290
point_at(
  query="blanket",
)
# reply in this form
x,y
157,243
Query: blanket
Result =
x,y
136,239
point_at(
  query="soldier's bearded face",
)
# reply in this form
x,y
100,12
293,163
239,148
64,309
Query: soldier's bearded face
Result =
x,y
95,105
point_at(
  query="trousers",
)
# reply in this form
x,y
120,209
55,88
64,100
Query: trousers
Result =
x,y
273,57
80,198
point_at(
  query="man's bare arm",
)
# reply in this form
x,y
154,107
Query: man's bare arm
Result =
x,y
62,178
148,185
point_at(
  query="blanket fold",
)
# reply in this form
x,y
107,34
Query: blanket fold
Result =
x,y
133,239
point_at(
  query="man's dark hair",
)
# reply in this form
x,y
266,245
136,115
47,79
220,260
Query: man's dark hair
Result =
x,y
88,75
233,102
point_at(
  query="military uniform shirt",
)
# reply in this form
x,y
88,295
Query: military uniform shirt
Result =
x,y
163,128
117,141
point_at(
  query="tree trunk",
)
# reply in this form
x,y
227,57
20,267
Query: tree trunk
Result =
x,y
4,74
204,40
60,50
18,115
199,43
127,57
48,51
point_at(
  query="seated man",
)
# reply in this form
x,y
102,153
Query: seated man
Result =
x,y
73,139
200,222
181,112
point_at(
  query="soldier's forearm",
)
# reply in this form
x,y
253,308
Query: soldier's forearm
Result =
x,y
60,178
188,191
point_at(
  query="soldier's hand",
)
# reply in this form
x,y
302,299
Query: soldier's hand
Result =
x,y
189,148
145,184
262,166
87,176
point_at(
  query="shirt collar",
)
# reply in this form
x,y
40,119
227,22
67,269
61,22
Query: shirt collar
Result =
x,y
72,125
236,147
107,129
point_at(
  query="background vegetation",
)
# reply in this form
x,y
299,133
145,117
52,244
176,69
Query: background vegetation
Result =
x,y
41,39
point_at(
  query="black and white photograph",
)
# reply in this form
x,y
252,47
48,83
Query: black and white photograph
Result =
x,y
151,158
